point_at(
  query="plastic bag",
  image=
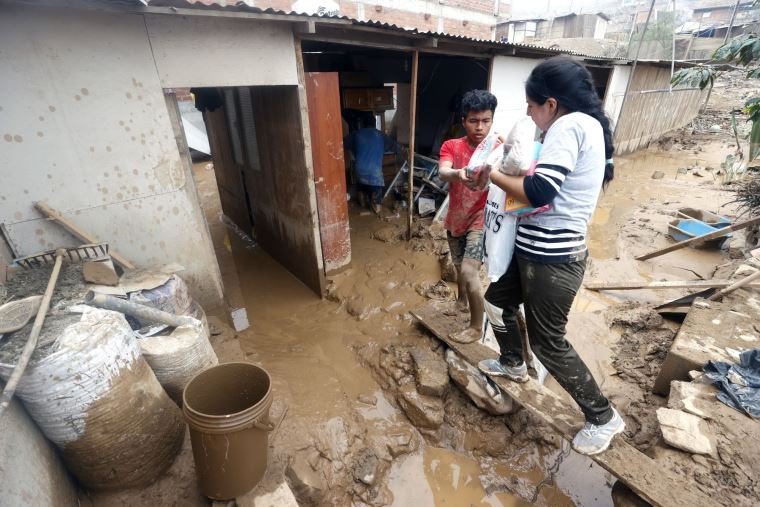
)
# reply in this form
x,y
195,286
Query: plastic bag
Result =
x,y
518,148
176,358
172,296
93,395
519,208
499,234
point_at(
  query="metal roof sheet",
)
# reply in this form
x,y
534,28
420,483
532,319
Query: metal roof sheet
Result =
x,y
241,6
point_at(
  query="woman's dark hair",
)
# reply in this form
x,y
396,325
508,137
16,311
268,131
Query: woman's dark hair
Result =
x,y
569,82
476,101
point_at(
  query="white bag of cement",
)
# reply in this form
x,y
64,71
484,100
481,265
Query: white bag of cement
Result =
x,y
176,358
499,234
518,149
92,394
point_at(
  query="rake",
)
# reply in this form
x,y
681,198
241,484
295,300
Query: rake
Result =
x,y
55,257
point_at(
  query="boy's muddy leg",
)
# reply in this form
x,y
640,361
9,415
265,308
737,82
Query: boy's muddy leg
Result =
x,y
470,268
461,304
469,283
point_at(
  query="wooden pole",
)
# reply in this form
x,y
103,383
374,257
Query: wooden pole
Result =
x,y
674,284
78,232
700,239
410,162
731,23
741,283
633,68
31,342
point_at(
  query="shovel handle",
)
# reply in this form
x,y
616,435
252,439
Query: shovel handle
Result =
x,y
31,343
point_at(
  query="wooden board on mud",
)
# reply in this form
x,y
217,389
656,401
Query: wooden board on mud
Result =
x,y
647,478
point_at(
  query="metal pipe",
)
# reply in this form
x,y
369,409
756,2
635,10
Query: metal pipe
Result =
x,y
138,311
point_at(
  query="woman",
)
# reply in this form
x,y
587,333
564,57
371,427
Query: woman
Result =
x,y
550,251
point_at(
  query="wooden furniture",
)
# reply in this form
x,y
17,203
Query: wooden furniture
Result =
x,y
368,99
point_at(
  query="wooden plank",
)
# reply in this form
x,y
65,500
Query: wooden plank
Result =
x,y
323,99
700,239
675,284
744,282
79,233
412,120
647,478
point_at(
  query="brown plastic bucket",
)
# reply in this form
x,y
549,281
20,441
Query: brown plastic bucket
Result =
x,y
227,409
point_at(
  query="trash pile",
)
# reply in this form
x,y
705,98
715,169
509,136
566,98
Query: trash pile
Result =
x,y
104,378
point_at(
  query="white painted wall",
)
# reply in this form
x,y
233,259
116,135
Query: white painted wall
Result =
x,y
507,82
85,127
207,51
613,101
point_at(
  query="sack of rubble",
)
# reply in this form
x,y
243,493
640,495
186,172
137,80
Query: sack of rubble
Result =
x,y
92,393
178,356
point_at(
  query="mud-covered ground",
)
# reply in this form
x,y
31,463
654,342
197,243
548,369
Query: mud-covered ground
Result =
x,y
345,370
358,428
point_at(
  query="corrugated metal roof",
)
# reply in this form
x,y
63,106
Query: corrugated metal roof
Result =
x,y
240,6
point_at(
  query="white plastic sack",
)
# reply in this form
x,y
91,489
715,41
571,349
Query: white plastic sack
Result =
x,y
518,149
179,356
95,397
499,234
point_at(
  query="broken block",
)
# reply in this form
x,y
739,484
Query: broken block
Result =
x,y
100,272
711,331
685,431
484,394
431,372
422,411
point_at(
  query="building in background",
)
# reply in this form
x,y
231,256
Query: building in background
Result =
x,y
566,26
718,12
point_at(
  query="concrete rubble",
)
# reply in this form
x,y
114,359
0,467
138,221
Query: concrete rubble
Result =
x,y
431,373
685,431
483,393
423,411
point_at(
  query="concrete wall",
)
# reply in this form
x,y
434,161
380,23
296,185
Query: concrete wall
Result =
x,y
203,51
508,76
84,126
31,472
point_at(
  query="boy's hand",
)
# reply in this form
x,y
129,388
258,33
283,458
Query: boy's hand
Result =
x,y
480,177
462,176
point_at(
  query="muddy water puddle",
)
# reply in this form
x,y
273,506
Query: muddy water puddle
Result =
x,y
437,476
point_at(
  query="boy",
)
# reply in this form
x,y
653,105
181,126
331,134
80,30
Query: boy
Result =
x,y
465,216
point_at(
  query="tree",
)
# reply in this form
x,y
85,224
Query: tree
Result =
x,y
743,50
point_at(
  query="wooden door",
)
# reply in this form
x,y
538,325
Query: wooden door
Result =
x,y
227,154
323,98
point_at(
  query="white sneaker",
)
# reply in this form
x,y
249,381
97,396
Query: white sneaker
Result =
x,y
493,367
593,439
